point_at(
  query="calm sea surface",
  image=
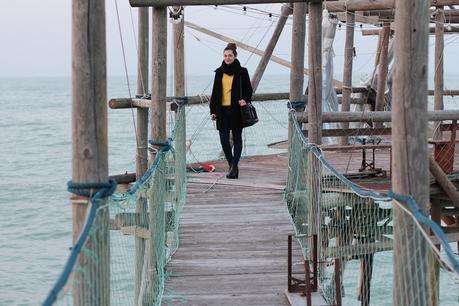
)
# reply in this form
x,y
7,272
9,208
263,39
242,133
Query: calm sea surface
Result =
x,y
35,164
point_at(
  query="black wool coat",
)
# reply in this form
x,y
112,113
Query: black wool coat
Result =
x,y
241,78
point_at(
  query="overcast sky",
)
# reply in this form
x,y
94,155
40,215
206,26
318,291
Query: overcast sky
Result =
x,y
35,39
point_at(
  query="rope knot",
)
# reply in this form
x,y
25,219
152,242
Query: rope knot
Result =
x,y
92,189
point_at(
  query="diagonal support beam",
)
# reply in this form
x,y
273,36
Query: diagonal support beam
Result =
x,y
246,47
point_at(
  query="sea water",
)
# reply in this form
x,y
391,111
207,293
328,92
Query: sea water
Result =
x,y
35,164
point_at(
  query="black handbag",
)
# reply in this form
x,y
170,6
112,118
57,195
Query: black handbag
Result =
x,y
248,112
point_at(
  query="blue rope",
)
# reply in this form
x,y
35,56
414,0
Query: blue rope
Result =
x,y
104,190
84,189
296,105
180,101
418,214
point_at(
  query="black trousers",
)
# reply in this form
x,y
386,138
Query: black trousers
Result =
x,y
227,125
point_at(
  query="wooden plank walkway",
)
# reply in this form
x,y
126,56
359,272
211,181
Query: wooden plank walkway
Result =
x,y
233,238
233,234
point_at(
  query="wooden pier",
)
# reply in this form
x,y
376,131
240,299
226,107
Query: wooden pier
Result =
x,y
233,233
233,238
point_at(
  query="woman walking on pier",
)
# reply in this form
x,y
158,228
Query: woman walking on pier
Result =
x,y
231,91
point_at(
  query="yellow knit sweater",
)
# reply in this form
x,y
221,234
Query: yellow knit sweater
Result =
x,y
227,83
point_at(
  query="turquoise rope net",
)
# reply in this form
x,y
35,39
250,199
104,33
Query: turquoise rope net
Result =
x,y
355,237
141,228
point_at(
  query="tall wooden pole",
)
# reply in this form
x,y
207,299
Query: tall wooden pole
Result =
x,y
298,42
147,294
314,173
409,149
285,12
179,57
142,142
382,68
90,145
438,78
179,91
347,74
296,97
158,73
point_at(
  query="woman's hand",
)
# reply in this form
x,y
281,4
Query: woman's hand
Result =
x,y
242,102
213,117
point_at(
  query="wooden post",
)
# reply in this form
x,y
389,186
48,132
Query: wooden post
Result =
x,y
347,74
435,213
179,57
314,173
296,95
158,73
382,68
157,133
142,143
90,146
298,40
285,12
179,91
438,79
409,148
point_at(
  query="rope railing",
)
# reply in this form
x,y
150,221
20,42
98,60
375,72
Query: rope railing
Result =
x,y
143,227
356,228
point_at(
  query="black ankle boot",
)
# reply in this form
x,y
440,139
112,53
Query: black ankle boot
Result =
x,y
230,169
234,172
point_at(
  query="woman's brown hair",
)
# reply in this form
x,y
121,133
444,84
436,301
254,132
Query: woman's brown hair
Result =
x,y
232,47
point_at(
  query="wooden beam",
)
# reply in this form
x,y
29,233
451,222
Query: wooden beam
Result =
x,y
157,133
314,166
90,148
124,178
443,180
286,10
180,133
298,43
369,131
246,47
438,71
379,116
383,68
453,29
159,70
347,74
368,5
136,3
410,174
142,138
353,132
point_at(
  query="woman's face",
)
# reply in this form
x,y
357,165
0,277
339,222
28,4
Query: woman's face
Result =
x,y
228,57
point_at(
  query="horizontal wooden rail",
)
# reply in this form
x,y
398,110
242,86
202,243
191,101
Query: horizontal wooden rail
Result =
x,y
377,116
453,29
354,147
369,131
353,132
332,6
146,103
370,5
136,3
117,103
